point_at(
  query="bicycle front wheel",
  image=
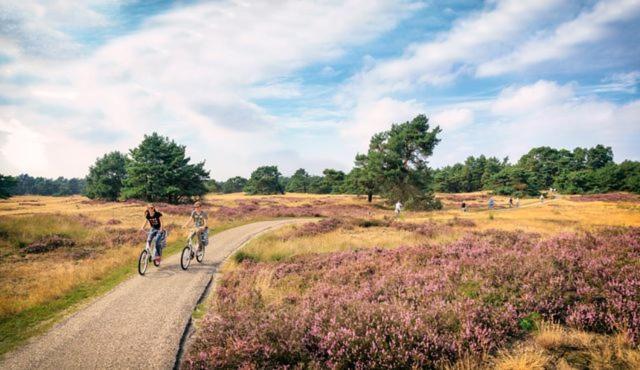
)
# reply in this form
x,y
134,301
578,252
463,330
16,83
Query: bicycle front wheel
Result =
x,y
143,262
185,258
200,254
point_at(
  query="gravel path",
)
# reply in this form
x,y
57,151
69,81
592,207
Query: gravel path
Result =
x,y
139,324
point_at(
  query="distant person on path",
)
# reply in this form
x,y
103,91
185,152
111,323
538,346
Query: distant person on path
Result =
x,y
517,202
541,198
463,207
152,217
492,203
398,208
199,219
510,202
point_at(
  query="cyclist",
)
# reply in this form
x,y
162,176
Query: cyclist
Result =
x,y
152,217
199,219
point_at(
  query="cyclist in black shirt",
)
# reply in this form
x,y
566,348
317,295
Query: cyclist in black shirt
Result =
x,y
152,217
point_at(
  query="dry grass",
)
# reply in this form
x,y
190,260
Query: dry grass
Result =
x,y
552,217
28,279
25,285
276,246
527,358
549,218
554,337
561,348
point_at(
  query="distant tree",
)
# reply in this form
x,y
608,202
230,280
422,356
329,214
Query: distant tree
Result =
x,y
7,185
398,161
106,176
334,180
234,185
317,185
362,178
599,156
265,180
630,172
43,186
213,186
159,171
299,182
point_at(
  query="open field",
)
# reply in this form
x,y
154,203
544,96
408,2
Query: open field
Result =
x,y
56,252
445,289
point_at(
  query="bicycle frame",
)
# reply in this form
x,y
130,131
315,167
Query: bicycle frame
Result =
x,y
194,234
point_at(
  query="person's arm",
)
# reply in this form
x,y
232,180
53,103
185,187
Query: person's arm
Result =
x,y
188,221
205,216
144,224
160,221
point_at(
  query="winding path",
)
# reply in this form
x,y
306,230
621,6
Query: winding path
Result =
x,y
140,323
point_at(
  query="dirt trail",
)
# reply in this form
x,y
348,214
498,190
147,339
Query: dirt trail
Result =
x,y
139,324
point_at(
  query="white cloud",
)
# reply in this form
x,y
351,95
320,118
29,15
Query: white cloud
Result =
x,y
516,101
588,27
469,42
543,114
22,145
41,28
377,116
189,73
453,119
619,82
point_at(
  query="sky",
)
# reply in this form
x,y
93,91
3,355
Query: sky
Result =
x,y
306,83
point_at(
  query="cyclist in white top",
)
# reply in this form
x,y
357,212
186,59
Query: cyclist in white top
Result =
x,y
199,219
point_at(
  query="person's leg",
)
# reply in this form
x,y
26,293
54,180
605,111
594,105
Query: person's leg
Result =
x,y
152,234
159,244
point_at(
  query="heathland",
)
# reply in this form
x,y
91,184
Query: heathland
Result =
x,y
545,284
551,284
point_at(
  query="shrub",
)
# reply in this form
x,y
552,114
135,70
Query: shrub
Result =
x,y
421,306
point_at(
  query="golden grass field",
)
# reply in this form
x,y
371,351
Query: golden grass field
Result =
x,y
106,239
28,280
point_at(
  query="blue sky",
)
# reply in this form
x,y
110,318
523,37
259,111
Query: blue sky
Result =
x,y
306,84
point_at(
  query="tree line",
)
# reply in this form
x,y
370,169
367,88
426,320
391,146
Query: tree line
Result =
x,y
157,170
582,170
394,167
25,184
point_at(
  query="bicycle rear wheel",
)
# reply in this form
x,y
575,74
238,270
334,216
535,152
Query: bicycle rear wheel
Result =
x,y
143,262
185,258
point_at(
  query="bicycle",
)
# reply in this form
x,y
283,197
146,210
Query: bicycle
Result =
x,y
149,254
188,253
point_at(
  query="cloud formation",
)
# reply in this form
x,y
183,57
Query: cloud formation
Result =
x,y
306,83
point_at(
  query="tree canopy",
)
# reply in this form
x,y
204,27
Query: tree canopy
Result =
x,y
299,182
397,162
265,180
106,177
60,186
159,170
7,184
583,170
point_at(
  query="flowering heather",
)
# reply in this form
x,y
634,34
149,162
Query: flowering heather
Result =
x,y
462,222
609,197
247,210
316,228
420,306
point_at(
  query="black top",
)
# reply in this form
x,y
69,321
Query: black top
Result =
x,y
154,219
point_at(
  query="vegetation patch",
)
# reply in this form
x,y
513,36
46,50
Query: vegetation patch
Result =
x,y
609,197
48,244
420,307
